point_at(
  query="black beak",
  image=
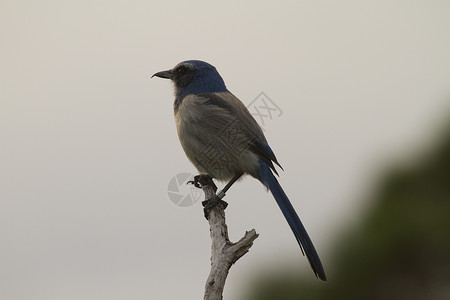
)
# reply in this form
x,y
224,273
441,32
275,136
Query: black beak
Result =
x,y
164,74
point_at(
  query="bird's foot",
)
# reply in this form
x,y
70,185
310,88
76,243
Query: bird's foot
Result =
x,y
202,180
195,182
212,202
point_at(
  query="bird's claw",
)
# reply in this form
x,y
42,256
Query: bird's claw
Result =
x,y
195,182
212,202
202,180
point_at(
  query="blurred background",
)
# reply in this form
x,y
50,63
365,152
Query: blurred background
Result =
x,y
88,148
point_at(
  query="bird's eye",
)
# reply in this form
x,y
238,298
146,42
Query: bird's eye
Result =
x,y
181,70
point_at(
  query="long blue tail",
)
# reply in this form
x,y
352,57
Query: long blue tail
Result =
x,y
269,180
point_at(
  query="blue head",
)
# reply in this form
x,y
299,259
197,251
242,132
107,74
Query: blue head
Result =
x,y
194,77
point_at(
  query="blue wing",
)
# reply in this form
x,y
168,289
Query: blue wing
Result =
x,y
257,141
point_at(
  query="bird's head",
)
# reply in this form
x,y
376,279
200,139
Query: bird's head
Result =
x,y
194,77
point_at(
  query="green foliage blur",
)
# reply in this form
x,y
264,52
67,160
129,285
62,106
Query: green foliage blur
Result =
x,y
401,250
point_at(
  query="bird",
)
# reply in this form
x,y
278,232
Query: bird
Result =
x,y
222,139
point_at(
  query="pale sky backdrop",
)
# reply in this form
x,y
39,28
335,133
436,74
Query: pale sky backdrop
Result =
x,y
88,140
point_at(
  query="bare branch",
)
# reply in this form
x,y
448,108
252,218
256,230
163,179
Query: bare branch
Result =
x,y
223,252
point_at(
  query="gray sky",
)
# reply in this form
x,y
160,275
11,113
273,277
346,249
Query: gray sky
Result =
x,y
88,141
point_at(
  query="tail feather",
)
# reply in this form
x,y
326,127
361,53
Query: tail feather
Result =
x,y
306,245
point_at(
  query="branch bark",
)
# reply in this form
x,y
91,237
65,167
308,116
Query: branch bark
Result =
x,y
223,252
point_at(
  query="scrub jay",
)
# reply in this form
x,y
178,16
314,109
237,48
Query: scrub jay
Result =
x,y
222,139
